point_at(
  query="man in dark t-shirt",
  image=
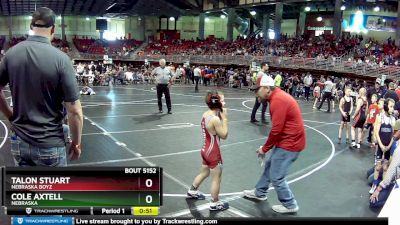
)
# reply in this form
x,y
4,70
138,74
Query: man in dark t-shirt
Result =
x,y
376,89
41,79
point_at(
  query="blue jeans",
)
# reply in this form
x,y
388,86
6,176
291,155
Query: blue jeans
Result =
x,y
28,155
275,171
383,196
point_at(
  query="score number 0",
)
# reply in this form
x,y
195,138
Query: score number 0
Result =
x,y
149,183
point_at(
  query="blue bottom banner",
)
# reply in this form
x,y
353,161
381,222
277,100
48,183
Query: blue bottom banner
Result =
x,y
23,220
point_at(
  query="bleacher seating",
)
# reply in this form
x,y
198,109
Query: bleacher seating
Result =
x,y
101,47
16,40
311,47
375,52
83,44
210,46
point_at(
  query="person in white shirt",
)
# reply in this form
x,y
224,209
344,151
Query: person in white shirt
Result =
x,y
164,78
87,91
307,85
197,76
328,86
129,76
178,72
79,69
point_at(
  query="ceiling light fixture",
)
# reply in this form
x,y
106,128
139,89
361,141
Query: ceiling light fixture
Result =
x,y
109,7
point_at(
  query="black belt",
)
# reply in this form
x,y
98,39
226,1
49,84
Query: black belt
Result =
x,y
162,84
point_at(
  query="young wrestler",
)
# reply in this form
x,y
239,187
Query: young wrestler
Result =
x,y
346,108
384,125
214,125
359,117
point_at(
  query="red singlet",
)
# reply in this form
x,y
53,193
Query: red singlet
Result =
x,y
210,151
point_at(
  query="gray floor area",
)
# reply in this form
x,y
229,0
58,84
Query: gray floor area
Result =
x,y
122,127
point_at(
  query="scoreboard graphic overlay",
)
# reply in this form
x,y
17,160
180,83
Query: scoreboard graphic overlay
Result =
x,y
82,191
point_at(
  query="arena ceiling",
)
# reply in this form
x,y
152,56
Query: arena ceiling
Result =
x,y
102,7
121,8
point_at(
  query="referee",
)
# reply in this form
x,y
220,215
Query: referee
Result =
x,y
163,81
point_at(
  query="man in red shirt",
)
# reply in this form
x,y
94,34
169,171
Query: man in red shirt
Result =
x,y
288,137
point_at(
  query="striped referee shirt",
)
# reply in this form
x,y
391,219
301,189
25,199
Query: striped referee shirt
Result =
x,y
163,75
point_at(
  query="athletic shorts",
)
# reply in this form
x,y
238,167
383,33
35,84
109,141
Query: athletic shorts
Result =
x,y
359,121
380,155
369,126
346,119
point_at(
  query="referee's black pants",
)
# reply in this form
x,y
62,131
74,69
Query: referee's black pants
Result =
x,y
327,96
163,89
307,92
255,108
197,79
